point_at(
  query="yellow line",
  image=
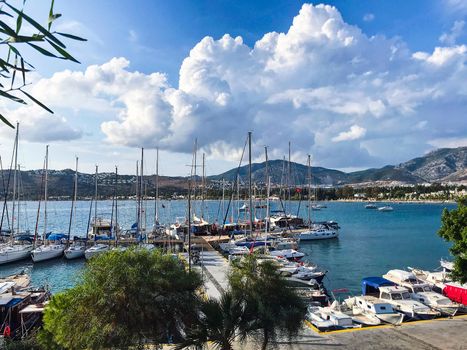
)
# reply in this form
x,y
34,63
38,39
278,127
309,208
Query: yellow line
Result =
x,y
310,325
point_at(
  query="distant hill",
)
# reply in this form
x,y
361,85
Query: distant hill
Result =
x,y
442,165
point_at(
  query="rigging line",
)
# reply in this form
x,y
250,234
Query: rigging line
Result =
x,y
233,187
39,206
5,191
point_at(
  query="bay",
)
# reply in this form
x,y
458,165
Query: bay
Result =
x,y
370,242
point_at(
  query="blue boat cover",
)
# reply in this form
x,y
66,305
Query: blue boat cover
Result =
x,y
57,236
371,284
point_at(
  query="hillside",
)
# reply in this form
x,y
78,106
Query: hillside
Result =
x,y
442,165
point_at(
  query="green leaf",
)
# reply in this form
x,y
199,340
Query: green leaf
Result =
x,y
3,119
19,21
14,49
26,39
42,51
51,13
5,13
23,71
8,30
74,37
65,54
38,27
11,97
37,102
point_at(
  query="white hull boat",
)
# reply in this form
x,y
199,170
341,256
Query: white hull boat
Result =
x,y
386,208
311,235
15,252
289,254
75,252
47,252
96,250
374,309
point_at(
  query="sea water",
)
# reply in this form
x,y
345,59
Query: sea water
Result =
x,y
370,242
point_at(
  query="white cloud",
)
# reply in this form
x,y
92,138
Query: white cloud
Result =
x,y
368,17
356,132
451,37
456,6
323,80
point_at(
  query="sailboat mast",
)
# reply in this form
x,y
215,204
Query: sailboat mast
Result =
x,y
115,224
250,182
94,227
15,149
309,191
289,179
195,173
267,191
137,197
45,191
156,198
141,190
73,203
203,188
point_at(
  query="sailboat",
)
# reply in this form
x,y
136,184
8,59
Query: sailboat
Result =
x,y
11,251
314,233
77,249
98,226
47,251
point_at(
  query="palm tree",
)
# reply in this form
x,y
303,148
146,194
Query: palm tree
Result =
x,y
219,322
272,309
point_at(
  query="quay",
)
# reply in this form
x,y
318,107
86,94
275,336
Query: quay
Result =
x,y
437,334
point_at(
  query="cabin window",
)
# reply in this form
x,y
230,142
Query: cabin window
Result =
x,y
360,302
418,289
422,300
385,296
368,306
396,296
427,289
382,307
405,295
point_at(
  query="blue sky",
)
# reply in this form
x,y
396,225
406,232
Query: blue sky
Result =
x,y
338,95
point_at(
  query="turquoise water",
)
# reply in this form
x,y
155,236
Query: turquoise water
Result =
x,y
370,242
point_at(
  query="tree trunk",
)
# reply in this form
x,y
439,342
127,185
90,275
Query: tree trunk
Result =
x,y
265,339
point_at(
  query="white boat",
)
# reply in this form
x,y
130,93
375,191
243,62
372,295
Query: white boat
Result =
x,y
148,246
315,234
47,252
422,292
400,299
326,318
386,208
289,254
20,280
447,265
373,308
15,252
371,206
75,251
96,250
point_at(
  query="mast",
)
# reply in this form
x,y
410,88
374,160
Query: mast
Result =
x,y
45,191
15,150
115,224
156,199
194,173
189,204
203,187
94,228
267,190
73,203
250,182
137,197
289,179
309,192
141,190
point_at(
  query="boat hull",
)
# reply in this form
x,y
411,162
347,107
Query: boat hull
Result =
x,y
43,254
317,235
8,256
74,253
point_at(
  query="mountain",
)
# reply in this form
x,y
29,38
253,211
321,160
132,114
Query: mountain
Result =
x,y
442,165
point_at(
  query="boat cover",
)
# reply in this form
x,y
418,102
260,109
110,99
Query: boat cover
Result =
x,y
371,284
57,236
456,293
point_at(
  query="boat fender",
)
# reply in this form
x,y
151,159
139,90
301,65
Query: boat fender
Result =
x,y
7,332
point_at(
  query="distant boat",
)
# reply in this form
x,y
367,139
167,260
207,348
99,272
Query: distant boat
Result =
x,y
386,208
371,206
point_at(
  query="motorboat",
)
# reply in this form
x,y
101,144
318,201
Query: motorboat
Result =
x,y
47,251
436,279
15,252
19,281
398,297
447,265
386,208
371,206
326,318
373,308
422,292
96,250
289,254
315,234
75,251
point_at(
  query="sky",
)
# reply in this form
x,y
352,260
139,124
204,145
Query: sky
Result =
x,y
356,84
